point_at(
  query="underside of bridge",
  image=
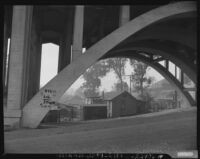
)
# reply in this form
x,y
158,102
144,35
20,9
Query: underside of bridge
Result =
x,y
149,33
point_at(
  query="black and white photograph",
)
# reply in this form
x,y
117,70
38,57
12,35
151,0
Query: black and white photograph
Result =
x,y
100,79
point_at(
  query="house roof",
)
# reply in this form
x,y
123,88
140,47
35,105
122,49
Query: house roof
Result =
x,y
94,105
116,94
111,95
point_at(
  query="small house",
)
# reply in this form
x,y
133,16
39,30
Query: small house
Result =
x,y
111,106
123,104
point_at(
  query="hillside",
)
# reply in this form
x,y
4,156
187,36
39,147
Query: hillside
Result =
x,y
162,84
161,89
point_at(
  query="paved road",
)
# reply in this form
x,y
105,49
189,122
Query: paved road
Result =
x,y
165,133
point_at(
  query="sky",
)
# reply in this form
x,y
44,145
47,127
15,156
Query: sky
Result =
x,y
49,68
49,63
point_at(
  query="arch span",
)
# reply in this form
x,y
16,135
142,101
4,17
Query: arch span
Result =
x,y
163,71
33,111
188,67
169,30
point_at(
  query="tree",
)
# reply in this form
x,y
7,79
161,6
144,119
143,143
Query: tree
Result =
x,y
117,86
148,99
92,78
118,66
93,74
139,78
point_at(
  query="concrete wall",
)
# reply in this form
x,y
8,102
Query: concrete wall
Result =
x,y
66,42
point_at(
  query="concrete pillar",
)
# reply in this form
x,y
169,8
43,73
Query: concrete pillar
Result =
x,y
78,32
175,92
102,26
66,42
4,78
34,60
6,49
166,64
62,61
181,78
175,71
124,15
5,43
64,54
21,22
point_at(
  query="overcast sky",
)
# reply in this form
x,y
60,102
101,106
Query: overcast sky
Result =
x,y
49,69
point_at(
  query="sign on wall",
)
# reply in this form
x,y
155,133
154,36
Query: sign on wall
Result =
x,y
47,96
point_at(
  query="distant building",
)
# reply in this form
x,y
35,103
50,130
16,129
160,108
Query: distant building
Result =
x,y
163,104
165,96
114,105
167,99
63,113
94,111
124,104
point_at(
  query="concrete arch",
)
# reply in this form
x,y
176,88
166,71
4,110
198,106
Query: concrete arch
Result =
x,y
158,67
190,72
33,113
168,32
174,48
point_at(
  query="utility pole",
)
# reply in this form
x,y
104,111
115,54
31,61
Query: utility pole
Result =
x,y
130,81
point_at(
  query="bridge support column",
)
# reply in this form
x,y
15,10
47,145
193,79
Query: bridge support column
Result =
x,y
78,32
175,71
66,43
21,23
166,64
33,60
5,52
5,58
124,15
184,103
181,76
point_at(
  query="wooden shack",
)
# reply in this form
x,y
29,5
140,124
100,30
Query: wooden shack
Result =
x,y
123,104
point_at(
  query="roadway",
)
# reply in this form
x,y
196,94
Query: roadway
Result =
x,y
164,133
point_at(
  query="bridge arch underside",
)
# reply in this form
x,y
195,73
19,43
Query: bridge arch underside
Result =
x,y
33,113
184,59
135,54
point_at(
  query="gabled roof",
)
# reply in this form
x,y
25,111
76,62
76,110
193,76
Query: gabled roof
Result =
x,y
114,95
111,95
